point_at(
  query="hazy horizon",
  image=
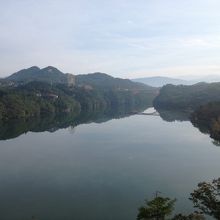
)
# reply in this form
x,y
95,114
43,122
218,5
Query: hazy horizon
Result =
x,y
125,39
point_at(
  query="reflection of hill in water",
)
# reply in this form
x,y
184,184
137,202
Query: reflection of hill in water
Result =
x,y
13,129
205,128
173,115
202,127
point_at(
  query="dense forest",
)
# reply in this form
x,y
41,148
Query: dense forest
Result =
x,y
187,97
39,99
35,92
48,74
34,99
199,102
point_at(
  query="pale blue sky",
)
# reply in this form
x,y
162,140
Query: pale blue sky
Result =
x,y
124,38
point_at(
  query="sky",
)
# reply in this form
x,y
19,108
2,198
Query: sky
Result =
x,y
124,38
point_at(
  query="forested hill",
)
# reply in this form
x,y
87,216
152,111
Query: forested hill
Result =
x,y
104,81
38,92
52,75
187,97
49,74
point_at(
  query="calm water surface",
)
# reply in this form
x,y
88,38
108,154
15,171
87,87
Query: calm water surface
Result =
x,y
103,170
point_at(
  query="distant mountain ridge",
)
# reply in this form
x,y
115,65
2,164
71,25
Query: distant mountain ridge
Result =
x,y
159,81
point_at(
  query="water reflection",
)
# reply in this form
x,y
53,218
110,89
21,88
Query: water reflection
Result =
x,y
14,128
106,169
216,143
177,115
174,115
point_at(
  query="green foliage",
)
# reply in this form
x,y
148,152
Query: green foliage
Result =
x,y
49,74
187,97
2,111
34,92
157,209
207,198
40,98
104,81
160,208
52,75
14,105
35,99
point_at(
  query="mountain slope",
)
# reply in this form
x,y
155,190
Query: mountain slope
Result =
x,y
49,74
95,80
159,81
104,81
37,92
187,97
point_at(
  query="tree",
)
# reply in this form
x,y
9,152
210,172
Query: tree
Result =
x,y
156,209
207,198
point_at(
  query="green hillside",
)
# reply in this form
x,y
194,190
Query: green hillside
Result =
x,y
49,74
187,97
104,81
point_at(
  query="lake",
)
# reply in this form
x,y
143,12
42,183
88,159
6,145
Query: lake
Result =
x,y
102,169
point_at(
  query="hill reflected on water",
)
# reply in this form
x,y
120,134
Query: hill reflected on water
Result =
x,y
173,115
14,128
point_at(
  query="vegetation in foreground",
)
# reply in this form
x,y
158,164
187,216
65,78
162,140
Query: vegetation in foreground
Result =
x,y
206,200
